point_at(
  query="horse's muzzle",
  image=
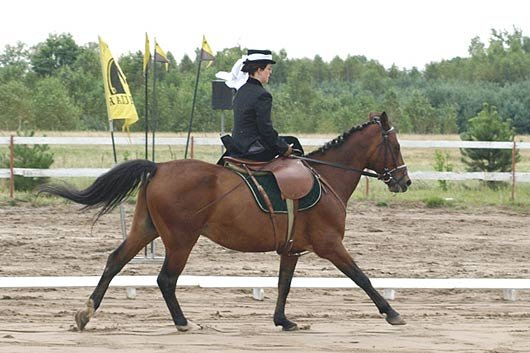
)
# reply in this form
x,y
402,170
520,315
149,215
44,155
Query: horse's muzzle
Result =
x,y
399,185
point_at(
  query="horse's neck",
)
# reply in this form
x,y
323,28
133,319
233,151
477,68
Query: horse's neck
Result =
x,y
353,153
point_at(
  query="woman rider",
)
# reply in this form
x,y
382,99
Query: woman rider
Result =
x,y
253,133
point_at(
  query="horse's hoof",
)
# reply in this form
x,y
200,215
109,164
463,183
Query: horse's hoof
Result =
x,y
183,328
395,320
190,326
289,326
286,325
293,327
81,319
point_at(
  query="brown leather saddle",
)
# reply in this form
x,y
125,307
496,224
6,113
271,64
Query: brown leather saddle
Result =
x,y
294,179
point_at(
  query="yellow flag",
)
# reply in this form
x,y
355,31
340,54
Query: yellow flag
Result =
x,y
147,53
160,56
206,52
120,103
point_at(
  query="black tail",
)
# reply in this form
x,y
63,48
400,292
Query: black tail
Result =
x,y
110,188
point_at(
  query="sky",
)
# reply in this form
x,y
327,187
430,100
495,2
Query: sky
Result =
x,y
405,33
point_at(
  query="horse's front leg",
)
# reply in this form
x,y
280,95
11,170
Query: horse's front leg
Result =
x,y
338,255
287,266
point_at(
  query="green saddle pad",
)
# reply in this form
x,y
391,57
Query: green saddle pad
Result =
x,y
269,184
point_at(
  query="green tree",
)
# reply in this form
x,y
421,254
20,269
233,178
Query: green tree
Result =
x,y
357,111
515,102
56,52
373,81
419,116
319,70
281,70
447,119
16,106
82,81
225,59
310,95
392,107
53,107
441,164
186,65
336,69
36,156
14,62
506,59
488,126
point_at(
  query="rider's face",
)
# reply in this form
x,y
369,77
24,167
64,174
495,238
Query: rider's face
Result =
x,y
263,75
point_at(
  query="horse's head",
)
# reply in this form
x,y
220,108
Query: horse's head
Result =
x,y
386,159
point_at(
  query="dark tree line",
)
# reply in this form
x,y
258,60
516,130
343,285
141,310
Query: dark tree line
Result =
x,y
57,85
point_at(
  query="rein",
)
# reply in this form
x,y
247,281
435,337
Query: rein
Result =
x,y
387,174
339,166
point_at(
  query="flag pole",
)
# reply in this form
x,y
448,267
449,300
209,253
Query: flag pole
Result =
x,y
123,226
146,76
193,105
111,127
155,108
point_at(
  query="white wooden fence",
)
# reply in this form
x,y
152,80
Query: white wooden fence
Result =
x,y
161,141
510,286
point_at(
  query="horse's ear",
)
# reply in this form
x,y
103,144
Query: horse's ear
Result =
x,y
373,115
384,121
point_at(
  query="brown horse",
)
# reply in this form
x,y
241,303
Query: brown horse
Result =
x,y
181,200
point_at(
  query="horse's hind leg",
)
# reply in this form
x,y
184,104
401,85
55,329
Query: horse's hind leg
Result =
x,y
287,266
344,262
177,252
142,232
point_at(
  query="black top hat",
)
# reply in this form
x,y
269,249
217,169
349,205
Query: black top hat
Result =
x,y
259,57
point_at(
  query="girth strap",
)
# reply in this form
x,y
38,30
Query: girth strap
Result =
x,y
292,208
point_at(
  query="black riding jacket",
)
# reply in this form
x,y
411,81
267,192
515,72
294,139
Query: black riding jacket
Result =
x,y
252,119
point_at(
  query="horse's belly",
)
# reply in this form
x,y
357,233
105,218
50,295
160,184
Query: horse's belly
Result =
x,y
249,234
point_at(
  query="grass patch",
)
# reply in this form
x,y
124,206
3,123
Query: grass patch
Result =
x,y
461,194
421,194
435,202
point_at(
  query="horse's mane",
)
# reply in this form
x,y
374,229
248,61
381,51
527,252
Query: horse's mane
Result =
x,y
339,140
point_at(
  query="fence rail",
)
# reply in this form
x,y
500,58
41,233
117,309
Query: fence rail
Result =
x,y
211,141
389,285
95,172
269,282
208,141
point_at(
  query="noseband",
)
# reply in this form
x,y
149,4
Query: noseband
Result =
x,y
387,175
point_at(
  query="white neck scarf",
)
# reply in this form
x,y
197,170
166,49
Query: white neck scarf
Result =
x,y
235,78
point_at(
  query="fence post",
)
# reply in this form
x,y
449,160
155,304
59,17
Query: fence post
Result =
x,y
11,166
367,187
513,170
192,147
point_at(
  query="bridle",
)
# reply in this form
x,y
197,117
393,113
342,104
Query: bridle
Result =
x,y
387,175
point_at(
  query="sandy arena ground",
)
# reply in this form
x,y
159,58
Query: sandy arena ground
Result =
x,y
386,242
